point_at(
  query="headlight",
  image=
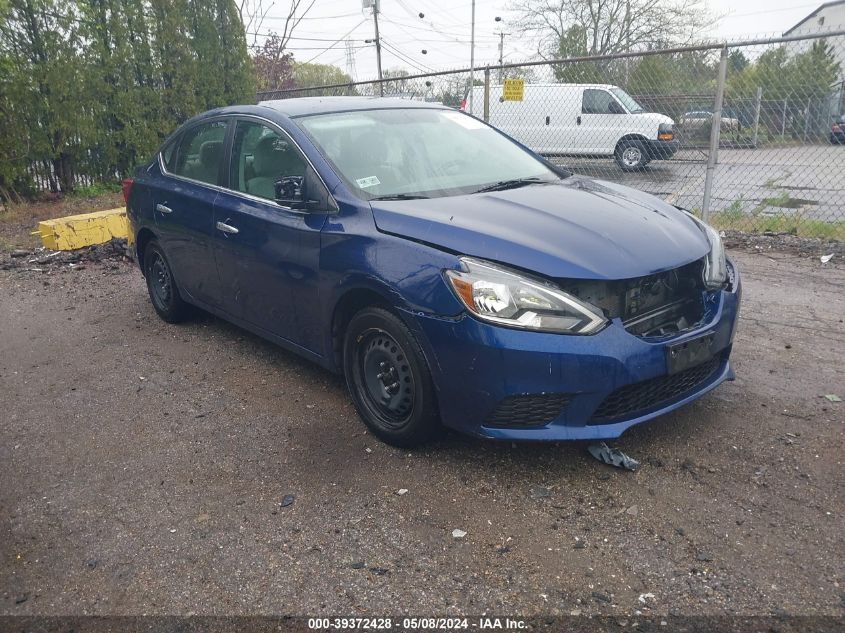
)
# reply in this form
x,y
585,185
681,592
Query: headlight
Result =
x,y
509,298
715,266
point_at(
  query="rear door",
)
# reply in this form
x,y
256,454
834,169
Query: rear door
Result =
x,y
268,255
183,207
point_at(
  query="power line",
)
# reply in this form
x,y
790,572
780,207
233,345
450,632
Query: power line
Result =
x,y
305,39
305,48
437,31
337,41
328,17
402,56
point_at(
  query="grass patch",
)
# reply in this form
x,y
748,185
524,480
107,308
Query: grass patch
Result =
x,y
95,190
791,224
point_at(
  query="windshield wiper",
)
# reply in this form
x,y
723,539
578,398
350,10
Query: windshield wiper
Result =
x,y
400,196
502,185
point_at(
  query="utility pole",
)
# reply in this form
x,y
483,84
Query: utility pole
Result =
x,y
378,48
375,5
501,52
471,59
501,48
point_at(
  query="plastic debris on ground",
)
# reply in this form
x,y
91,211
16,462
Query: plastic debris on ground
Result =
x,y
612,456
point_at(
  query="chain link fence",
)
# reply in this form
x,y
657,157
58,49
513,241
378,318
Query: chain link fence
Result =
x,y
749,134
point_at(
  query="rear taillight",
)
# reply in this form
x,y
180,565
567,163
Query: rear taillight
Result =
x,y
464,105
127,187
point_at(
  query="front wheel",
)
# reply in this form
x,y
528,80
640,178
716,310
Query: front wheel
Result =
x,y
389,379
631,155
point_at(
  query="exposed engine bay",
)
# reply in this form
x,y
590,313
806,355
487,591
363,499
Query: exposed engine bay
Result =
x,y
655,305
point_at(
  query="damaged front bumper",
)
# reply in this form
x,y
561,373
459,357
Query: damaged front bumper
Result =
x,y
504,383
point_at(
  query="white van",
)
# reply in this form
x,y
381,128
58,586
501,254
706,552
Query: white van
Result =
x,y
581,120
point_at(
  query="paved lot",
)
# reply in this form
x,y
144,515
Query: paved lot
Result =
x,y
143,465
811,176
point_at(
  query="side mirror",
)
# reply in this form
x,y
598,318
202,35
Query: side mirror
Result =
x,y
615,108
290,192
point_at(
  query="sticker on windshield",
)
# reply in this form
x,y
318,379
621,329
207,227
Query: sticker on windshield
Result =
x,y
464,120
369,181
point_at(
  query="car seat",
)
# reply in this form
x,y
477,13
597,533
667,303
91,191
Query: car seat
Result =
x,y
272,159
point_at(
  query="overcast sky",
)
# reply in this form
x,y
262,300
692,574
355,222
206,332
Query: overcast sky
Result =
x,y
444,32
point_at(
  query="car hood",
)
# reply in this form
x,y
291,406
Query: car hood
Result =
x,y
579,228
655,117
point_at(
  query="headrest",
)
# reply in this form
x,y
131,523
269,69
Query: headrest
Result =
x,y
269,156
210,152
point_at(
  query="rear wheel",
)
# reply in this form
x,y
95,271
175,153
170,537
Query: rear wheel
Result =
x,y
164,294
389,379
631,155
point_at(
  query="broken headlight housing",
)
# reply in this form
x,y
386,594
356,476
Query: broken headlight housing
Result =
x,y
715,264
506,297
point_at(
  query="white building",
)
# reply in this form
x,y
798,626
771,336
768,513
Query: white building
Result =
x,y
830,17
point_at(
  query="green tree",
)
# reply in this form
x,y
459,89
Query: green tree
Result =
x,y
573,43
309,75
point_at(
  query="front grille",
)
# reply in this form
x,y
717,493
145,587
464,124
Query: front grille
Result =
x,y
528,410
650,393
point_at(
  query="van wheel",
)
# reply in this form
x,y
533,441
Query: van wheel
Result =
x,y
631,155
389,379
164,295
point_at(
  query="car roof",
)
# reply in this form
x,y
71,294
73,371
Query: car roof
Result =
x,y
323,105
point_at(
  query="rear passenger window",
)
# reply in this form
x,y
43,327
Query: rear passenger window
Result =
x,y
199,153
261,158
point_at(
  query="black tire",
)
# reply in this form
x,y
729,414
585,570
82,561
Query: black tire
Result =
x,y
631,155
164,294
389,379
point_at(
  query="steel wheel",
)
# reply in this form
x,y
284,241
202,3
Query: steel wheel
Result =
x,y
387,378
161,282
161,285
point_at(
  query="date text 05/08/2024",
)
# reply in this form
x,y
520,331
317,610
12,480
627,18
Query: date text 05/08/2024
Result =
x,y
416,624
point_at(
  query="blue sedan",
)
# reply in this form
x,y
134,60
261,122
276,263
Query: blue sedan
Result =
x,y
452,276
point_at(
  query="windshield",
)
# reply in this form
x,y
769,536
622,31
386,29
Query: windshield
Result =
x,y
627,100
420,152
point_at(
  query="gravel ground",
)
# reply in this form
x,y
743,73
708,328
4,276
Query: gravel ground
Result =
x,y
144,468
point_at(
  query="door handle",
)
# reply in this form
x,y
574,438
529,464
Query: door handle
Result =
x,y
578,120
548,119
226,228
161,208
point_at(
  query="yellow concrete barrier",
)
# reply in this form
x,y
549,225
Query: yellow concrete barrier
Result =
x,y
76,231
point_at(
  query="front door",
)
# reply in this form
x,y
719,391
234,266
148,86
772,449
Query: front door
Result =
x,y
183,203
599,124
268,255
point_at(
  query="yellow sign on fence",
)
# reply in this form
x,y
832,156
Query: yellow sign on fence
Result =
x,y
513,90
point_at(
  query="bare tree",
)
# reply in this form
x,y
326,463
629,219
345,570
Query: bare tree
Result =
x,y
253,13
252,16
601,27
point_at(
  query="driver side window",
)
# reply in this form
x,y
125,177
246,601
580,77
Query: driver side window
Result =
x,y
264,162
598,102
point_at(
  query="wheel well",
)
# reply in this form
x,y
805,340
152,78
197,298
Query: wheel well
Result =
x,y
349,304
141,240
630,137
